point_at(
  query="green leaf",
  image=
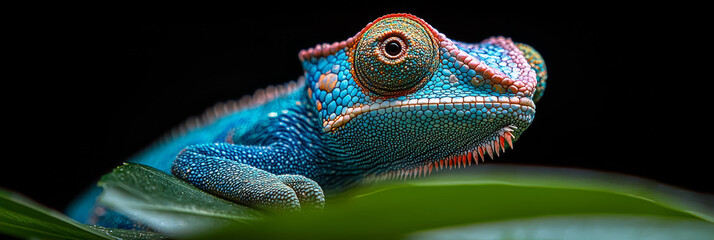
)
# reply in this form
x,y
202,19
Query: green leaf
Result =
x,y
483,196
23,218
488,202
128,234
582,227
166,203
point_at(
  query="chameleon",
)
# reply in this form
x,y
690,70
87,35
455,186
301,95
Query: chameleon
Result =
x,y
397,100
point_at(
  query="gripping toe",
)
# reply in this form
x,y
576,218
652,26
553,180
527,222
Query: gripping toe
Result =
x,y
308,191
211,168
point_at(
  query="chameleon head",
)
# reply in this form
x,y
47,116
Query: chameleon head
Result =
x,y
409,99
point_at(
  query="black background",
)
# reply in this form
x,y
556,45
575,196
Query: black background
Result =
x,y
83,92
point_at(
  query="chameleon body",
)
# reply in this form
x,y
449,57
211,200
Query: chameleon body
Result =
x,y
397,100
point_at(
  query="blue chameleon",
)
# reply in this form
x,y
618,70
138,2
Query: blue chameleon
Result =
x,y
395,101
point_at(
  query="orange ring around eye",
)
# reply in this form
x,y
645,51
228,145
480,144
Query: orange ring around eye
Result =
x,y
388,45
388,72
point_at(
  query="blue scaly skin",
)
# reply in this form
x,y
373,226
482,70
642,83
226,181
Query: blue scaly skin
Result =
x,y
395,101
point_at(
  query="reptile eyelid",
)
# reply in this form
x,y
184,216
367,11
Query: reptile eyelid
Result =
x,y
386,75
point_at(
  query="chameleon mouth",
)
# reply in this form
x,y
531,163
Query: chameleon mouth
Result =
x,y
488,146
520,107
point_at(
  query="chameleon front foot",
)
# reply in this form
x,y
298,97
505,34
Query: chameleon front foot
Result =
x,y
308,192
210,169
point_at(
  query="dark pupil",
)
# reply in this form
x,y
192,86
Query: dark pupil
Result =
x,y
393,48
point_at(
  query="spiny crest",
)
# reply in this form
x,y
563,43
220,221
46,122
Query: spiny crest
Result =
x,y
259,97
490,146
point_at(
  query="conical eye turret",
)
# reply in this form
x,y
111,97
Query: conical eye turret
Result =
x,y
395,56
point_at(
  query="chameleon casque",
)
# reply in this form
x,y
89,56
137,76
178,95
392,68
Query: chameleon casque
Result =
x,y
396,100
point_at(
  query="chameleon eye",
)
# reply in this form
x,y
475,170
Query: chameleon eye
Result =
x,y
392,47
395,56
